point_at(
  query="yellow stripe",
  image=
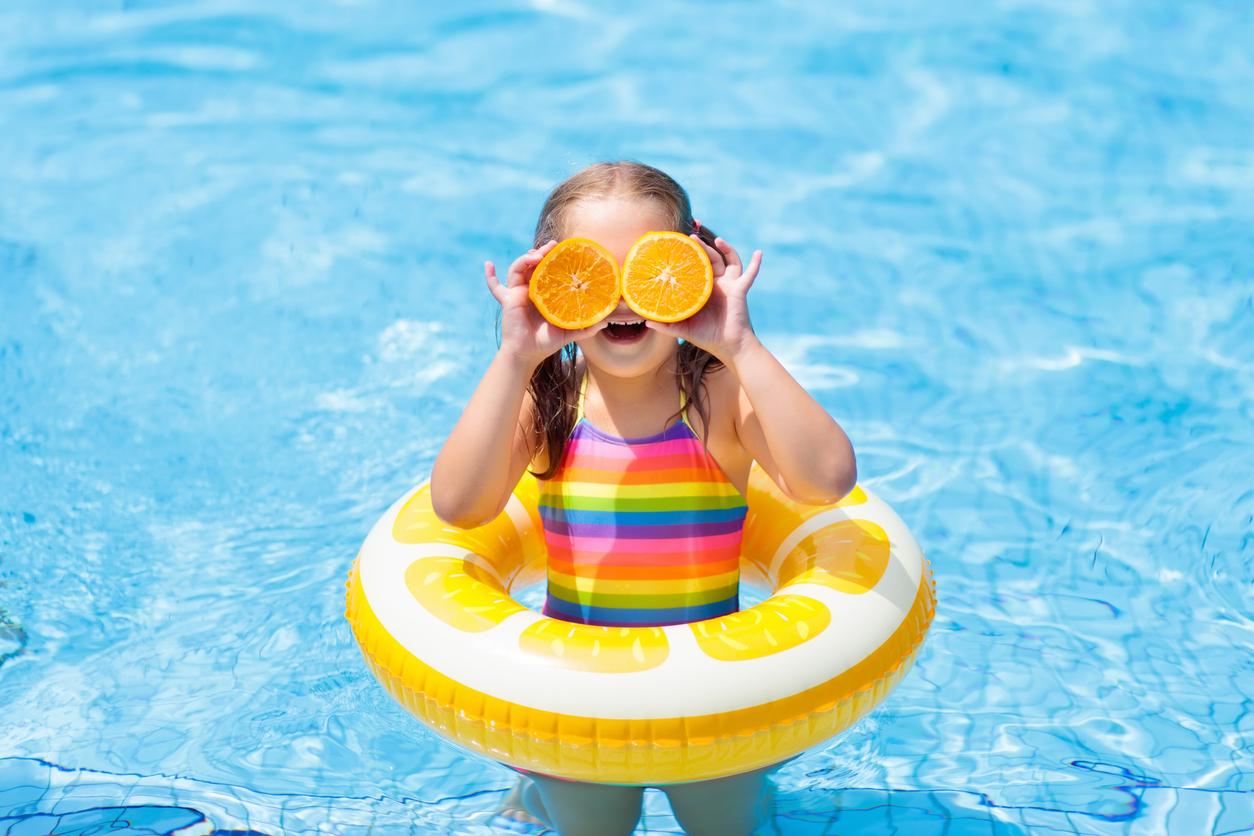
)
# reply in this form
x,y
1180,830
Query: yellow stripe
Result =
x,y
676,586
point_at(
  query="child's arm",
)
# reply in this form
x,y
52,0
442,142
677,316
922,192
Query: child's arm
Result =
x,y
795,441
491,444
792,438
485,455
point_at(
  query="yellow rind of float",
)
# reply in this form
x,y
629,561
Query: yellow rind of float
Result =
x,y
660,750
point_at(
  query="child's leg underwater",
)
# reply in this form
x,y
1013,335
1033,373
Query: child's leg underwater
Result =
x,y
575,808
727,806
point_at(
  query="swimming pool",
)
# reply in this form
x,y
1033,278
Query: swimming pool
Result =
x,y
241,301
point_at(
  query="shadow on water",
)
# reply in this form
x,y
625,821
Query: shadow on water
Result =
x,y
37,797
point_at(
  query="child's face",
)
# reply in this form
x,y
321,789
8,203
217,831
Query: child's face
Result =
x,y
616,224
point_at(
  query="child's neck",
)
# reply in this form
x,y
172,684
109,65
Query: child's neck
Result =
x,y
628,396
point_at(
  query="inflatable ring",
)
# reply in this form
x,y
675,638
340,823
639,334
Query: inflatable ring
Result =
x,y
430,606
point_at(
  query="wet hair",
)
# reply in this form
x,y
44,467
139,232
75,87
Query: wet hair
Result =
x,y
553,385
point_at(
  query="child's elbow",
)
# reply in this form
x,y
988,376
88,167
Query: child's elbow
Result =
x,y
844,472
846,478
840,479
458,520
846,487
451,512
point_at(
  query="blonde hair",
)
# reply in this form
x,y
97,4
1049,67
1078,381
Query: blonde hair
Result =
x,y
626,179
553,383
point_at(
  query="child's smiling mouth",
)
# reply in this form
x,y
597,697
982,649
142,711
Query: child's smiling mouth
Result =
x,y
626,331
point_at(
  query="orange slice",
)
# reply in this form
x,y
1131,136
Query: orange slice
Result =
x,y
601,649
576,284
778,623
667,277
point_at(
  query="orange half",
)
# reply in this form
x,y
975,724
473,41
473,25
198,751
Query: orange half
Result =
x,y
576,284
667,277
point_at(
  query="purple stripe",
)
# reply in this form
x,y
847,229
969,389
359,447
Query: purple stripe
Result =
x,y
607,449
585,429
680,531
615,617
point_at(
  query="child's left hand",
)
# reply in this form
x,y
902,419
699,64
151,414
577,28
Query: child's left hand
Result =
x,y
722,326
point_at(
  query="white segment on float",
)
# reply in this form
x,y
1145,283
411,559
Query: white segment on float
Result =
x,y
688,683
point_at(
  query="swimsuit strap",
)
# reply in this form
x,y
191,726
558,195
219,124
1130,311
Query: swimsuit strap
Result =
x,y
583,390
683,410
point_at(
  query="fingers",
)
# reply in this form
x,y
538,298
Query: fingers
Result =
x,y
520,270
752,272
666,328
728,252
716,258
494,284
724,253
733,260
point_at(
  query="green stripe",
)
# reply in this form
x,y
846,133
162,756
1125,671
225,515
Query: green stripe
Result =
x,y
644,602
660,503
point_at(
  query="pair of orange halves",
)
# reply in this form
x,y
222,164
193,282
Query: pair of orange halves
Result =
x,y
666,277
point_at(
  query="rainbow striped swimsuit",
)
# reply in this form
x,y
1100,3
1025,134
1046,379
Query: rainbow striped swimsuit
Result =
x,y
640,531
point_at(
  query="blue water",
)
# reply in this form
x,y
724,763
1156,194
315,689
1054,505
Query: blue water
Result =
x,y
241,302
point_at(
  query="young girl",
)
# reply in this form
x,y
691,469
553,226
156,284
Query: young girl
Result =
x,y
610,406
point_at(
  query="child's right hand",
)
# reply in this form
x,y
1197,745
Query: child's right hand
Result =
x,y
526,334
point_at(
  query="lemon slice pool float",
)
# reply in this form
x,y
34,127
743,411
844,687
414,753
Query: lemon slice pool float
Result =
x,y
430,606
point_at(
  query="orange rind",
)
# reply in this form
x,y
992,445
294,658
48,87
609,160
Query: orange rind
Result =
x,y
667,276
576,284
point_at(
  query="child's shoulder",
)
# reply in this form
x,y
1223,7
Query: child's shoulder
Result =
x,y
722,395
721,390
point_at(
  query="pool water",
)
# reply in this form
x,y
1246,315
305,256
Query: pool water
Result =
x,y
1007,245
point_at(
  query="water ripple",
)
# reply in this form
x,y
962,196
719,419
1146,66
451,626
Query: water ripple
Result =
x,y
241,304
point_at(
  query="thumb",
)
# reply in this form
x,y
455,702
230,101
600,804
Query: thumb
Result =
x,y
666,328
586,333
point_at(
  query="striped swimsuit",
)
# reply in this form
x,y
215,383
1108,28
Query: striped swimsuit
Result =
x,y
640,531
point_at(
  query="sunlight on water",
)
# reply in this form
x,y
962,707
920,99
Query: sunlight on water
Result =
x,y
241,304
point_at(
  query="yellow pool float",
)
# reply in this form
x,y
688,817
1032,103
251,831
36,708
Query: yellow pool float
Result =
x,y
430,606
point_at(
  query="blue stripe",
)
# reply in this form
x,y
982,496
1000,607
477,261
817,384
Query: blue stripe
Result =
x,y
574,516
612,617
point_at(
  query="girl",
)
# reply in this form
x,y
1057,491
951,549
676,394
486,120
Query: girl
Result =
x,y
607,408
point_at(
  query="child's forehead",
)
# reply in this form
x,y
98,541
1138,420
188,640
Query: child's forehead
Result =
x,y
614,217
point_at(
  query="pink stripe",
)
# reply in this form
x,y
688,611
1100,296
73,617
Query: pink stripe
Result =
x,y
617,465
713,563
642,572
626,545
